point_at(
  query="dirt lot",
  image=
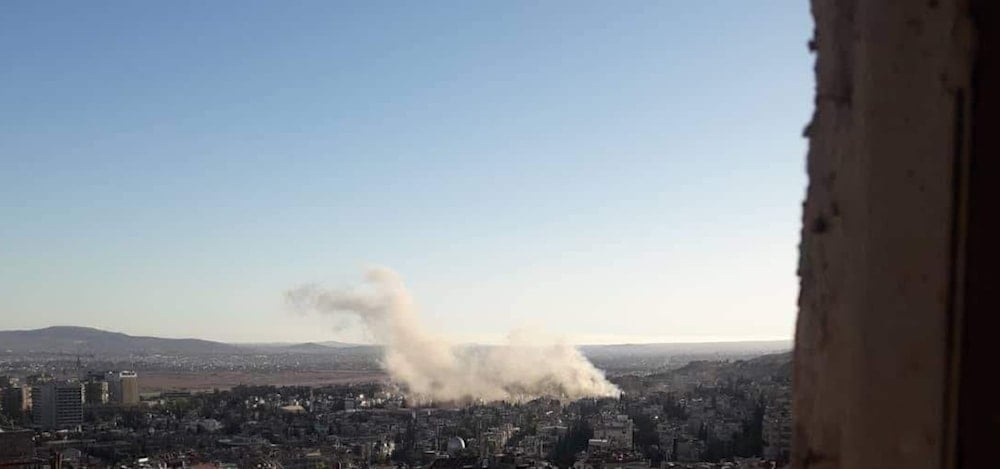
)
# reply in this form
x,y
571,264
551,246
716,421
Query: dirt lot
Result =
x,y
156,381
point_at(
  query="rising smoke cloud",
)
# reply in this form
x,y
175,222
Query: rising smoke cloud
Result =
x,y
434,369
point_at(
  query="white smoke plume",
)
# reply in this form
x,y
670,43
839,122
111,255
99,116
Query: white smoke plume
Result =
x,y
434,369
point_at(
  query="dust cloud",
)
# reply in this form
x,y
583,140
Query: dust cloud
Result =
x,y
436,370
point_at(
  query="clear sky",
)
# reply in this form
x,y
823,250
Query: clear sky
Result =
x,y
610,171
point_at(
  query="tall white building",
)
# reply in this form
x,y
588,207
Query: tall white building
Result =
x,y
57,404
123,387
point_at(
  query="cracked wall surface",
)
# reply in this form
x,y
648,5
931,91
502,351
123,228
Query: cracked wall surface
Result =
x,y
875,327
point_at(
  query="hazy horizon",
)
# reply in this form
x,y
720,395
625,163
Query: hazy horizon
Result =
x,y
609,340
607,173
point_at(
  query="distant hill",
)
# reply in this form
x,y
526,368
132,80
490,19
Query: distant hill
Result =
x,y
775,364
308,347
657,358
335,344
75,340
287,347
86,340
304,348
776,367
328,343
682,348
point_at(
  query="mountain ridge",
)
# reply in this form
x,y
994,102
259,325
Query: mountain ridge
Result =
x,y
81,339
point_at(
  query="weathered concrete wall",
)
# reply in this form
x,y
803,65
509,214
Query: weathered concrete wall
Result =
x,y
874,334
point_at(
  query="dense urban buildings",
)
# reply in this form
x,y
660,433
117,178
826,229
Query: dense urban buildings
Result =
x,y
675,411
17,448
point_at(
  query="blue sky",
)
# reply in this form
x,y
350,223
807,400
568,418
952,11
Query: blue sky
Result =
x,y
608,171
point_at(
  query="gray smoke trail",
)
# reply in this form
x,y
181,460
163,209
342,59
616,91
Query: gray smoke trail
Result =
x,y
434,369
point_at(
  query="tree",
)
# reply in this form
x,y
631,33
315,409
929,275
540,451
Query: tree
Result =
x,y
673,409
575,440
645,437
751,439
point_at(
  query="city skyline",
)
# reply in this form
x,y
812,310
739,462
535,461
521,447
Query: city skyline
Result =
x,y
581,168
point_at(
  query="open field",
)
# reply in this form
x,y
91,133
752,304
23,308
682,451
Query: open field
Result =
x,y
155,381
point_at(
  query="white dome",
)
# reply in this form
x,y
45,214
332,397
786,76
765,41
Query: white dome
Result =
x,y
455,444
